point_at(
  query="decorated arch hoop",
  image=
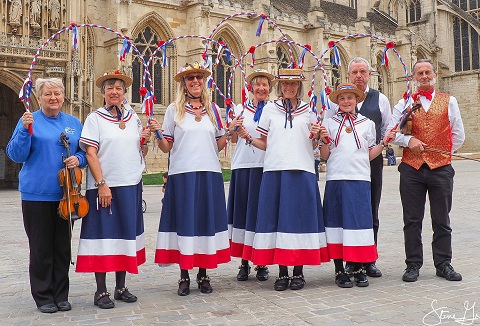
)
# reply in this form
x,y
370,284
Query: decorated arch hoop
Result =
x,y
306,49
25,91
332,45
222,48
258,32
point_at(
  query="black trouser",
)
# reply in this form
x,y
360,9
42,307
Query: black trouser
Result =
x,y
50,252
414,185
376,176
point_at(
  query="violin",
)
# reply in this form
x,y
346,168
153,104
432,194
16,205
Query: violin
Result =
x,y
73,205
405,125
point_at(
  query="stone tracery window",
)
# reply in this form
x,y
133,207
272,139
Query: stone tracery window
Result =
x,y
465,38
336,73
221,73
146,43
414,11
283,57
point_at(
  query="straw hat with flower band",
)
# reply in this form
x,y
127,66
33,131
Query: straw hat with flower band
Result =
x,y
289,74
191,68
114,74
260,72
347,88
188,69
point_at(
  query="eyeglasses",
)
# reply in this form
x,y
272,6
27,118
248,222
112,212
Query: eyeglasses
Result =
x,y
192,77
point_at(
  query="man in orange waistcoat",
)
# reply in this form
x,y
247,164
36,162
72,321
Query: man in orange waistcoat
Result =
x,y
437,131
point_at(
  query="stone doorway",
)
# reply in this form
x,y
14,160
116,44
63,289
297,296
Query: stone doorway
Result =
x,y
11,109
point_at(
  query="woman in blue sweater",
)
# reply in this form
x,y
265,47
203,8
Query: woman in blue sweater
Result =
x,y
43,156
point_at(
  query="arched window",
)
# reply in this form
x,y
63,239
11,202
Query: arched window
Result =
x,y
283,57
336,73
414,11
146,43
466,38
221,73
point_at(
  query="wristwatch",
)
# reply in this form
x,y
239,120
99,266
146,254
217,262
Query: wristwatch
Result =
x,y
101,182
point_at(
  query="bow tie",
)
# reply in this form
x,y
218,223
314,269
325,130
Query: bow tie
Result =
x,y
427,94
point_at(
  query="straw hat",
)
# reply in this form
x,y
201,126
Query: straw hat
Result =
x,y
260,72
191,68
289,74
347,88
113,74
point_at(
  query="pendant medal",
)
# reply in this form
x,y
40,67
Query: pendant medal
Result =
x,y
348,129
290,118
122,125
198,118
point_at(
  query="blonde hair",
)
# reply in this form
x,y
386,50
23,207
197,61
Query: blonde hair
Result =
x,y
181,100
40,83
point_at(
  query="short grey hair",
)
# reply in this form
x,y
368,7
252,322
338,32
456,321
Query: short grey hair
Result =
x,y
424,60
358,60
112,81
257,78
300,90
40,83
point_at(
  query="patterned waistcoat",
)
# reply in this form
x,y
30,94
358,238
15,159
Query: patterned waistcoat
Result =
x,y
433,128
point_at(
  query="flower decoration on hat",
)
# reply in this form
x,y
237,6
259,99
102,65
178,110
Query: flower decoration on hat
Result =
x,y
191,68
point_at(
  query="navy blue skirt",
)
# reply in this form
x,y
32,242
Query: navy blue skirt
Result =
x,y
348,221
290,229
242,210
112,238
193,223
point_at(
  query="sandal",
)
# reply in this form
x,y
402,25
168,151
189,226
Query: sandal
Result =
x,y
281,283
297,282
244,271
262,272
342,280
124,295
182,290
204,284
103,301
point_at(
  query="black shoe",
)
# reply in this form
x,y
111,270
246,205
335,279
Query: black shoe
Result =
x,y
103,301
204,284
64,306
360,278
124,295
411,273
372,270
48,308
183,287
262,273
297,282
342,280
281,283
243,271
349,268
447,272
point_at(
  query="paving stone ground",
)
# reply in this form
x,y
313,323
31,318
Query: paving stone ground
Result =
x,y
387,301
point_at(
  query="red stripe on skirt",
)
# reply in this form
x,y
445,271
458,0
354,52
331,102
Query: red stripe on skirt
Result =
x,y
110,263
290,257
163,256
240,250
359,254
